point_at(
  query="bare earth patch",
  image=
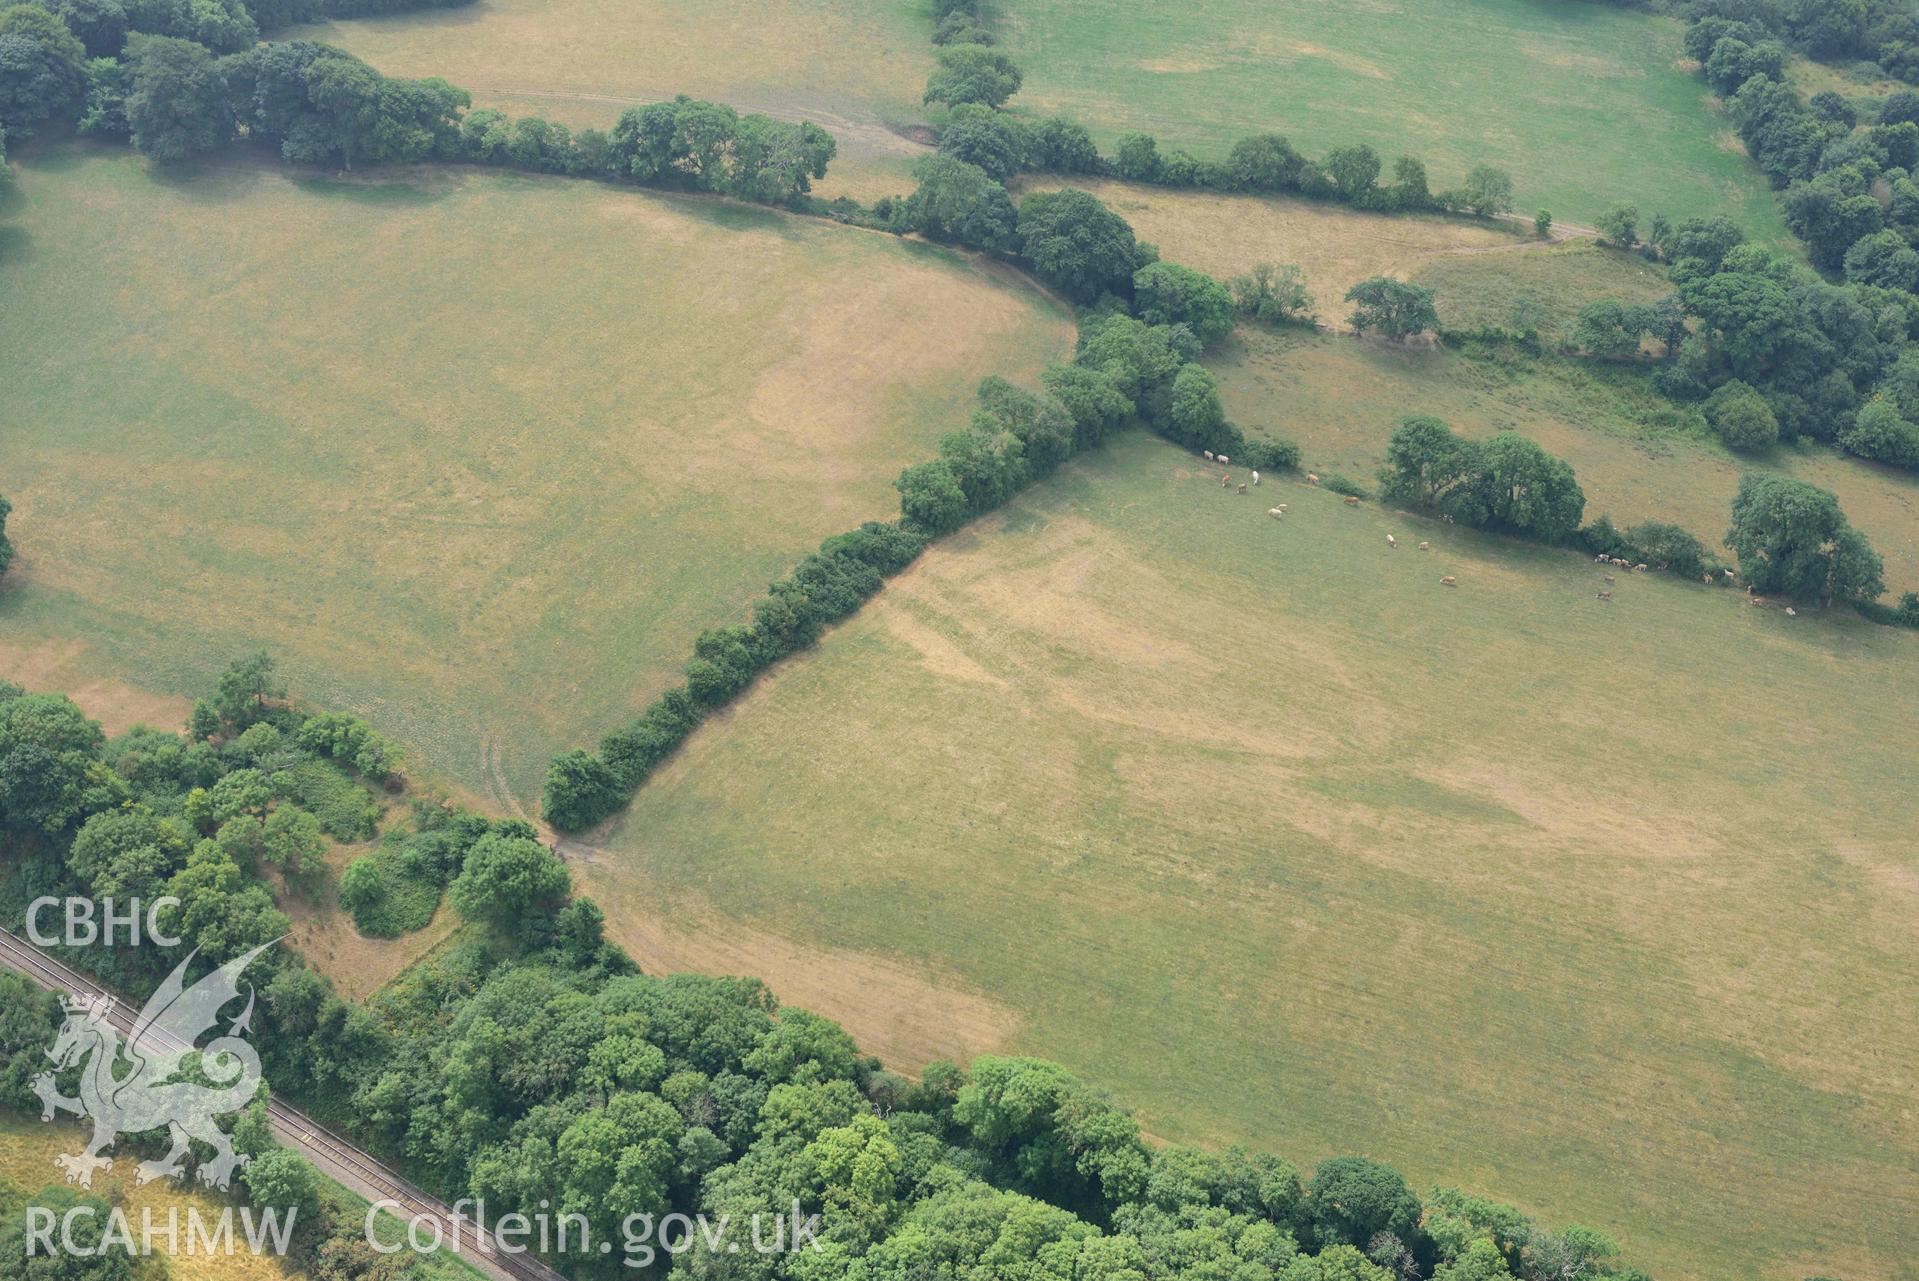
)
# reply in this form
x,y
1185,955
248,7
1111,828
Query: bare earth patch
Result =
x,y
60,666
325,934
907,1014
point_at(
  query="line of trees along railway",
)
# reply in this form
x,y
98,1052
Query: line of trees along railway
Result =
x,y
528,1063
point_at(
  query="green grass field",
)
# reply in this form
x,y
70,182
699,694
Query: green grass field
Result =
x,y
1253,821
1637,455
1546,284
476,455
1584,104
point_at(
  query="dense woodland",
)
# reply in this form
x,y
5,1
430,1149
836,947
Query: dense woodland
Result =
x,y
1881,36
1774,349
530,1062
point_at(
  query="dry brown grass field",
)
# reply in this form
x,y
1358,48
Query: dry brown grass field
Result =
x,y
326,936
1335,246
474,454
855,68
1581,902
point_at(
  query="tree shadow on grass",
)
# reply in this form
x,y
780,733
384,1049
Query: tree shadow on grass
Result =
x,y
733,215
221,179
406,190
237,172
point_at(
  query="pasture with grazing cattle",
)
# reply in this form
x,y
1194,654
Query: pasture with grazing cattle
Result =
x,y
476,455
1638,456
1259,825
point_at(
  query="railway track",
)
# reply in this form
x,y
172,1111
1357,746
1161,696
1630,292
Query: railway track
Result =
x,y
338,1158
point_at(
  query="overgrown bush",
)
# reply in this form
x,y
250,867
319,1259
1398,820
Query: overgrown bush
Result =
x,y
1166,293
343,807
1505,482
1742,417
1654,543
1273,294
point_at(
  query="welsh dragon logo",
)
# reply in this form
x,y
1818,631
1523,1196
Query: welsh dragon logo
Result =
x,y
137,1084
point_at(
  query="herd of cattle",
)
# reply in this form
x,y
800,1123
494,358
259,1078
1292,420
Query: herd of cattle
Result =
x,y
1279,512
1619,562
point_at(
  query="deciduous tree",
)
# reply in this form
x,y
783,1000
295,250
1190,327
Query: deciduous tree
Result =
x,y
973,73
1792,538
1077,245
1392,308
